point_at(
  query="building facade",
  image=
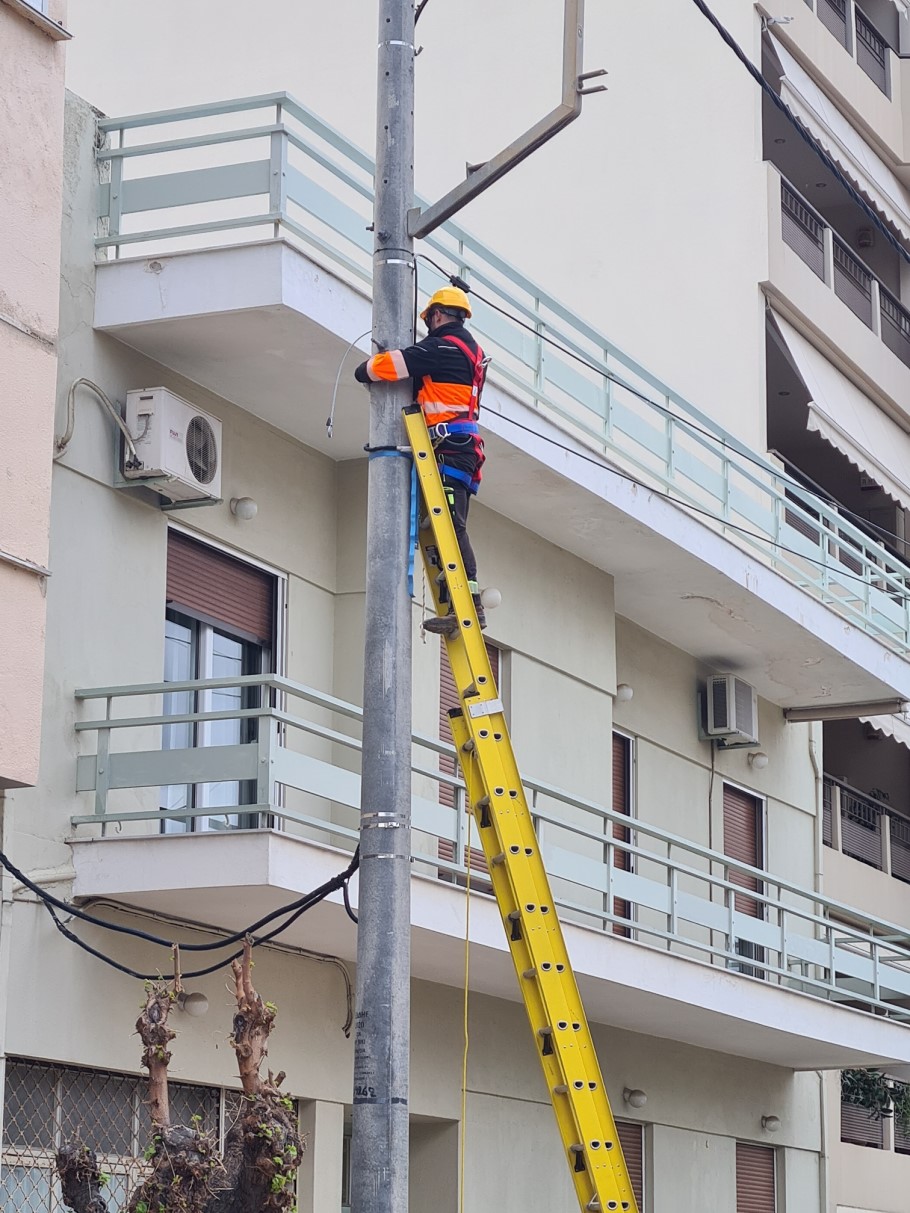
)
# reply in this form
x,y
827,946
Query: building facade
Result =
x,y
699,465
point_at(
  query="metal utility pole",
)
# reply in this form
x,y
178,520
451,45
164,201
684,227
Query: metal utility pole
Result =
x,y
379,1162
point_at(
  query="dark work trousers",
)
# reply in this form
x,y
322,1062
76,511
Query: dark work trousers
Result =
x,y
459,497
465,453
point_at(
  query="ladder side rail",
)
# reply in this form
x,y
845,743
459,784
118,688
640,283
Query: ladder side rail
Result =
x,y
518,874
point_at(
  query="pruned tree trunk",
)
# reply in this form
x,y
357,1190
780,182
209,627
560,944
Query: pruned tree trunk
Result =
x,y
262,1149
80,1178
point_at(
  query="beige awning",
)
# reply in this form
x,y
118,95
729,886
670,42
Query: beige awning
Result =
x,y
848,419
858,160
897,727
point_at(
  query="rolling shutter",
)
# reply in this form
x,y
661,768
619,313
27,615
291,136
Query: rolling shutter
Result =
x,y
858,1128
448,699
622,803
219,589
742,834
755,1188
632,1140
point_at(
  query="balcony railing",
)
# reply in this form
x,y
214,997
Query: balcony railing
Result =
x,y
859,38
665,891
866,828
314,189
817,244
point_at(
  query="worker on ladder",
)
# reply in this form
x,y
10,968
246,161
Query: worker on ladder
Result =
x,y
449,367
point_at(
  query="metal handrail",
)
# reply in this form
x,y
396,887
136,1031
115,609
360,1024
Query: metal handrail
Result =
x,y
792,924
617,406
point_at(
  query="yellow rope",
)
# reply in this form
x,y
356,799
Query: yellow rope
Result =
x,y
464,1061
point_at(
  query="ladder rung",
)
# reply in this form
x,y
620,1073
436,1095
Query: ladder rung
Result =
x,y
496,800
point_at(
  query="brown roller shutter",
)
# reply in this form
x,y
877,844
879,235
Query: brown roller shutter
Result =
x,y
859,1129
755,1188
622,803
448,699
220,589
742,834
632,1140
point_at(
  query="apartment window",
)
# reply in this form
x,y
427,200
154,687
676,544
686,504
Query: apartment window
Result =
x,y
632,1140
622,803
859,1128
45,1104
448,700
219,624
755,1179
744,842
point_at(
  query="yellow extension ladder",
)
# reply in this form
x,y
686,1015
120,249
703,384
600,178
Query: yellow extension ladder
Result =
x,y
496,798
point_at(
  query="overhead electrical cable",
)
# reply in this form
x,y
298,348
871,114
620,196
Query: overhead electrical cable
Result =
x,y
289,913
829,162
756,460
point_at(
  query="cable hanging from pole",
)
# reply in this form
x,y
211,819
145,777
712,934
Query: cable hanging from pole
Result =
x,y
291,912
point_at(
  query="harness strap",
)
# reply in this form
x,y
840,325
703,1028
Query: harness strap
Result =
x,y
465,478
444,428
477,361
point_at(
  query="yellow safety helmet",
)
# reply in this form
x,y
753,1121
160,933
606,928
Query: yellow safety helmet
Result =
x,y
448,296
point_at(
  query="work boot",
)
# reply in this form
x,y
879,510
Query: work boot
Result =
x,y
481,614
442,625
447,625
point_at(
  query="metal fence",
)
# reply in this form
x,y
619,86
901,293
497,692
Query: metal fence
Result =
x,y
866,828
833,15
803,230
266,166
674,894
852,282
872,52
45,1105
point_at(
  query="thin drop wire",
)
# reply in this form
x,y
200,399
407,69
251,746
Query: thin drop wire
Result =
x,y
330,420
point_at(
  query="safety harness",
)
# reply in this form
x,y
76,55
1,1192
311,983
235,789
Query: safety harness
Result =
x,y
442,431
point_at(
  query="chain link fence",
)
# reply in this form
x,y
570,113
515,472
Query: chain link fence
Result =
x,y
47,1104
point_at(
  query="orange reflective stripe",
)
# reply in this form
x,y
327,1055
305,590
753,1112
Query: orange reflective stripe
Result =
x,y
389,366
447,395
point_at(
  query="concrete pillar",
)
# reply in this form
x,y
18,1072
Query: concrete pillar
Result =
x,y
319,1177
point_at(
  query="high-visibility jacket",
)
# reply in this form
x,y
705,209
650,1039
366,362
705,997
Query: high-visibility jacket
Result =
x,y
443,372
447,367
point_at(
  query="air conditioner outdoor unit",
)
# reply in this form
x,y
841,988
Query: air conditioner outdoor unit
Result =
x,y
178,446
732,709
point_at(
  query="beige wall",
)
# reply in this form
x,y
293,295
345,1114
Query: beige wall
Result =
x,y
630,223
31,152
699,1103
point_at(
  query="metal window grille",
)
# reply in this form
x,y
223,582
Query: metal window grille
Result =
x,y
852,282
833,16
872,52
895,326
861,828
46,1104
802,230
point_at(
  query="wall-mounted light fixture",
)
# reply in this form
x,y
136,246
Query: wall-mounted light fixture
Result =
x,y
195,1004
244,508
758,759
624,692
770,1123
634,1098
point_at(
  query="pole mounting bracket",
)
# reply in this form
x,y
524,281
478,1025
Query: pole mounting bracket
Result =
x,y
480,177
